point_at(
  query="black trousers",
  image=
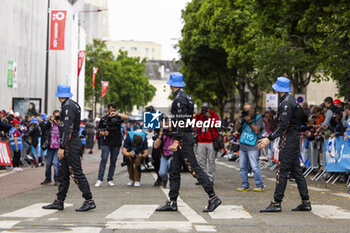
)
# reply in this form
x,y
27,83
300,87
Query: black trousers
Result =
x,y
289,163
16,158
156,154
70,166
187,155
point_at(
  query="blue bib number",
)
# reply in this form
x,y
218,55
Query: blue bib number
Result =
x,y
248,138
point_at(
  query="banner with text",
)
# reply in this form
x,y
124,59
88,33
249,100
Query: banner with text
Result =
x,y
58,23
5,156
337,155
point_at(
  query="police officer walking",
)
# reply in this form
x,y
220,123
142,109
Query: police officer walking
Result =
x,y
69,152
289,115
182,110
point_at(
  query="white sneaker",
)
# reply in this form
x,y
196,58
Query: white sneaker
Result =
x,y
250,175
130,183
98,183
18,169
137,184
110,183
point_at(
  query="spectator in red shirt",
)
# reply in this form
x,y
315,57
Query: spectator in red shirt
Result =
x,y
206,154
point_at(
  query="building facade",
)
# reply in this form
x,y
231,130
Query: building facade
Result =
x,y
23,53
142,49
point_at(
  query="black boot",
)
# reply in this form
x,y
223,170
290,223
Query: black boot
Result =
x,y
158,181
46,181
87,205
56,205
304,206
273,207
213,203
169,206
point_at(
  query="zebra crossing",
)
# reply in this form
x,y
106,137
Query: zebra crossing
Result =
x,y
141,217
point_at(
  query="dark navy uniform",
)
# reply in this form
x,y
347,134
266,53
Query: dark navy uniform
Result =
x,y
70,165
182,109
289,115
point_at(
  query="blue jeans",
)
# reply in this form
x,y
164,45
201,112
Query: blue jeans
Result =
x,y
104,158
52,159
164,167
246,157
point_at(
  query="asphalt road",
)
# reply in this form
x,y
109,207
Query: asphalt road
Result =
x,y
131,209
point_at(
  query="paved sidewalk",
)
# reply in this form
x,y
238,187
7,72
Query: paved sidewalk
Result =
x,y
13,183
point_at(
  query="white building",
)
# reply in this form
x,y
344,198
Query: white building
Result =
x,y
24,44
142,49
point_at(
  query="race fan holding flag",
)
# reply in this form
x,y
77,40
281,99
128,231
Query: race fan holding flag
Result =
x,y
289,115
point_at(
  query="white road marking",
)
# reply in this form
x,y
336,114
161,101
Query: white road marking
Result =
x,y
143,225
52,219
230,212
330,212
85,230
33,211
271,179
185,210
8,224
133,212
342,195
7,173
229,166
204,228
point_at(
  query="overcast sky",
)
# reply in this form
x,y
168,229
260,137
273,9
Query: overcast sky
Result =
x,y
147,20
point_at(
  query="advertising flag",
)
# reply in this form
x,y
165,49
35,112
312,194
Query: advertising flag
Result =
x,y
94,72
81,57
58,23
104,88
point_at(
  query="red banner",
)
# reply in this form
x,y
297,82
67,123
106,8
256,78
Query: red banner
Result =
x,y
104,88
94,72
58,23
5,156
81,57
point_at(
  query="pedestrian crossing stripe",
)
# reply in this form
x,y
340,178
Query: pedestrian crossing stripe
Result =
x,y
8,224
330,212
33,211
133,212
230,212
143,225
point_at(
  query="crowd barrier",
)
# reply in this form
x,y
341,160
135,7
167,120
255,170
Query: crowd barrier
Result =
x,y
336,157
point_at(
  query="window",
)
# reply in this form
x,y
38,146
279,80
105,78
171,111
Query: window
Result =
x,y
152,50
146,50
122,48
133,48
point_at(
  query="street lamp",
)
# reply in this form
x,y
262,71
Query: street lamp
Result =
x,y
86,11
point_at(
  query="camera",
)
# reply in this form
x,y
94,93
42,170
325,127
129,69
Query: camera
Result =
x,y
245,113
166,132
204,111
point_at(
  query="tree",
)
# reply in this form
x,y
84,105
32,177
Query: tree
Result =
x,y
128,84
282,46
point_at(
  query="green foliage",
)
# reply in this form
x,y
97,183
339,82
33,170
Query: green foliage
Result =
x,y
128,84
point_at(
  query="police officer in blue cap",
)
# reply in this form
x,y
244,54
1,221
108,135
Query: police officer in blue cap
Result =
x,y
70,152
182,111
289,116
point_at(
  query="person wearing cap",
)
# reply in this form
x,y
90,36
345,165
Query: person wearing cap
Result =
x,y
69,152
34,133
16,144
182,111
332,110
206,153
289,115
